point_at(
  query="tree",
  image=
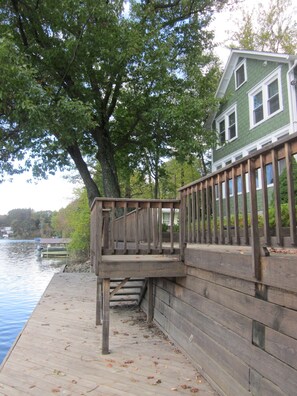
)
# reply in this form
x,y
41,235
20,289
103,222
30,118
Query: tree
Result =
x,y
283,183
273,29
72,70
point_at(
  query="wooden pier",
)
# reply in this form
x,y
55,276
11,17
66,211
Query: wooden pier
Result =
x,y
58,352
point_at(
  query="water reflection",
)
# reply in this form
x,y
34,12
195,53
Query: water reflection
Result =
x,y
23,279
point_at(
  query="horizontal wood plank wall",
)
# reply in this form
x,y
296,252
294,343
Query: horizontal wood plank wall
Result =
x,y
241,333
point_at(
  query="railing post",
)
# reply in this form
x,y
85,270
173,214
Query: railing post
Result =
x,y
106,312
182,225
291,194
256,256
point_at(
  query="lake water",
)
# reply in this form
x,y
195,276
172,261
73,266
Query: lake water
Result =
x,y
23,279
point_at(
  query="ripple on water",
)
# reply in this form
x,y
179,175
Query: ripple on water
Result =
x,y
23,279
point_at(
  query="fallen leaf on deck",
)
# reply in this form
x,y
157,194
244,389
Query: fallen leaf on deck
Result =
x,y
59,372
150,377
184,386
194,390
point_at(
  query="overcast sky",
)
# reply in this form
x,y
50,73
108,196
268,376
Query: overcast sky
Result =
x,y
56,192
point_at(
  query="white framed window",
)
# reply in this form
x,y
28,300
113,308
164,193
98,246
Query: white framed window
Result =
x,y
266,100
226,125
240,74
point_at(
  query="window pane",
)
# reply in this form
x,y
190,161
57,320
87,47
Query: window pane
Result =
x,y
222,132
258,100
269,174
258,107
239,184
273,104
240,78
273,97
258,114
230,187
232,126
272,89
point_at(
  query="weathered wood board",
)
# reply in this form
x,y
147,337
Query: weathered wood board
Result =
x,y
59,351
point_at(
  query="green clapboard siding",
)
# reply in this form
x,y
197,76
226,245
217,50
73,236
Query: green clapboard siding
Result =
x,y
256,72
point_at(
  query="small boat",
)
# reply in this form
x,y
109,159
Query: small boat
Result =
x,y
53,247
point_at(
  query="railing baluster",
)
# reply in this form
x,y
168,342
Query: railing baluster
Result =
x,y
203,239
214,212
198,210
235,201
182,218
149,225
137,227
189,207
208,239
291,195
171,228
227,189
254,220
160,228
193,215
125,227
244,205
265,202
277,205
221,210
112,228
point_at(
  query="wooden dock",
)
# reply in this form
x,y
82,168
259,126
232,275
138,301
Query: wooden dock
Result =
x,y
59,350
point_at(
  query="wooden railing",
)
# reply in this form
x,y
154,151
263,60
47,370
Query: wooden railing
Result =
x,y
241,204
128,226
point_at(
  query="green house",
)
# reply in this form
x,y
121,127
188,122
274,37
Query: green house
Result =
x,y
259,104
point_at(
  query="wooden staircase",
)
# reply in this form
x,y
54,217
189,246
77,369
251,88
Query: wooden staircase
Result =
x,y
128,251
128,291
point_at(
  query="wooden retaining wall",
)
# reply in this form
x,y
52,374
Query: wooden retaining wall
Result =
x,y
240,332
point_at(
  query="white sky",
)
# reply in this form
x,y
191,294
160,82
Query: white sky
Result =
x,y
52,194
56,192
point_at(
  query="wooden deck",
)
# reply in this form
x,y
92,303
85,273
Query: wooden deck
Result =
x,y
58,352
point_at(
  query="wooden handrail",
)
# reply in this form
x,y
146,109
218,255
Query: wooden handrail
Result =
x,y
131,226
231,206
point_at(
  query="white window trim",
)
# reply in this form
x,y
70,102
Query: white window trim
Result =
x,y
225,116
278,134
263,86
243,62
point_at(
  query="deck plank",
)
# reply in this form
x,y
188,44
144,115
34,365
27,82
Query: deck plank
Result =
x,y
59,350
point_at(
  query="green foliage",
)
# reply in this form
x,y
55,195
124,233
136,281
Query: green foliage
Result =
x,y
271,29
26,223
285,216
74,222
118,85
283,183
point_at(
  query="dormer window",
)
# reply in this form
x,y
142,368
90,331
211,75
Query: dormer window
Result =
x,y
240,74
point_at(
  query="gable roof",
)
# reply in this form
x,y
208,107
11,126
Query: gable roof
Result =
x,y
232,61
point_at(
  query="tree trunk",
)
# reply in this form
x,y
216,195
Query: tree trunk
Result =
x,y
105,156
91,187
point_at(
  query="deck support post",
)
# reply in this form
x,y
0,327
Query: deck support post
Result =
x,y
105,327
150,308
99,302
